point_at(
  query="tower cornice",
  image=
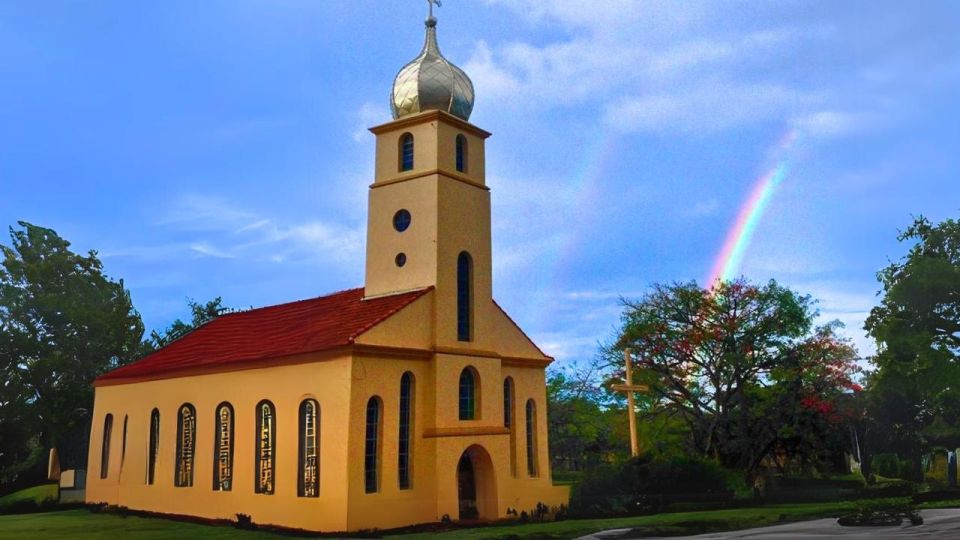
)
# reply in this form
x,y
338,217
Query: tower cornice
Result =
x,y
428,116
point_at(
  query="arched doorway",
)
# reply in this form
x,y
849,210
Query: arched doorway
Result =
x,y
476,485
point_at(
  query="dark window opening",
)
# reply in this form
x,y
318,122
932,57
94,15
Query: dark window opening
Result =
x,y
105,448
406,152
464,296
154,449
461,153
406,421
468,394
371,454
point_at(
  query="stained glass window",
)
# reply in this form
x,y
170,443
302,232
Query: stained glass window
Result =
x,y
309,481
223,455
265,451
461,153
531,438
371,455
468,394
464,296
153,451
406,152
406,421
186,445
105,448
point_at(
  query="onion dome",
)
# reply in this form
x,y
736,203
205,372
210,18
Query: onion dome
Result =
x,y
431,82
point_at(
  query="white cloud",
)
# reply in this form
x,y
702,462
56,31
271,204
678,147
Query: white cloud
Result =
x,y
370,114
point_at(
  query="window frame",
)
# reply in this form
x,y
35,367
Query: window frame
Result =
x,y
153,447
302,444
373,446
468,396
465,297
106,437
185,462
407,148
408,386
218,479
462,153
258,457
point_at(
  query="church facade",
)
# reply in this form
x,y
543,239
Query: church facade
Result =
x,y
409,400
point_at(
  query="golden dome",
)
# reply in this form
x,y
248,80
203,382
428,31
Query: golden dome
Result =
x,y
431,82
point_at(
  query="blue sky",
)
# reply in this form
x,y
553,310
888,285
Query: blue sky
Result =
x,y
220,147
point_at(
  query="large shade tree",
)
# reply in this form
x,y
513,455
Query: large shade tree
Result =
x,y
913,402
743,366
62,323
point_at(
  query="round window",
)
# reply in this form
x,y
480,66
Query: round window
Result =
x,y
401,259
401,220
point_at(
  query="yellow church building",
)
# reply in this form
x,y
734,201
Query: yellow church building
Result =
x,y
409,400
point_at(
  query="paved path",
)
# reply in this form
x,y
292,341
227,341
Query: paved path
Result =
x,y
939,524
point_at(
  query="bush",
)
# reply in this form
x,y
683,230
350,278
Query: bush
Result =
x,y
886,465
644,483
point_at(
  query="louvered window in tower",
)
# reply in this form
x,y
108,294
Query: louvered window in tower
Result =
x,y
223,458
309,484
186,445
266,435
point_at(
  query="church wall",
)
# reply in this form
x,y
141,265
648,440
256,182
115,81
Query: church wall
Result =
x,y
328,381
390,506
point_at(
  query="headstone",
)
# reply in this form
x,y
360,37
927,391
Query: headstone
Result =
x,y
53,466
938,467
952,469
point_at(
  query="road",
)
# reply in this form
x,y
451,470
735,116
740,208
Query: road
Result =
x,y
939,524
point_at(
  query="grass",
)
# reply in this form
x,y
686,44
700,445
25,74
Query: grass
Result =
x,y
37,494
84,525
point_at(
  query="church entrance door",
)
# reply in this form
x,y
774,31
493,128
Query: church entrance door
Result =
x,y
467,488
476,485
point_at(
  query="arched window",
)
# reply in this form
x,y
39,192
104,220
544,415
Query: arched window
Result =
x,y
186,445
406,423
105,448
406,152
461,153
468,393
153,450
266,436
531,438
509,422
371,453
308,483
464,296
123,443
223,444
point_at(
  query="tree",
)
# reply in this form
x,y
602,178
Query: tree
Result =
x,y
201,314
582,425
724,359
62,323
917,329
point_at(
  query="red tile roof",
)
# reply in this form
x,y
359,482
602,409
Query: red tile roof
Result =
x,y
271,332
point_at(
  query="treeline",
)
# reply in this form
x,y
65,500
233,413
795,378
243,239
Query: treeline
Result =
x,y
63,322
741,376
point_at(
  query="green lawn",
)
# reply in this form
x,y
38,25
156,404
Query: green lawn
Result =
x,y
83,525
37,494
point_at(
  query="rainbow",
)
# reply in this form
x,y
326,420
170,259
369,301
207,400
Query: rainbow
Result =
x,y
728,261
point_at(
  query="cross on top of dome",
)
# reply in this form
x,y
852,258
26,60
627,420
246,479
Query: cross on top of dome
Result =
x,y
430,81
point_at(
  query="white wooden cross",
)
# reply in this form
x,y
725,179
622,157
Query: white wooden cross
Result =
x,y
629,388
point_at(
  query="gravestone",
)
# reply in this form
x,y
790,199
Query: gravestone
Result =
x,y
938,467
952,469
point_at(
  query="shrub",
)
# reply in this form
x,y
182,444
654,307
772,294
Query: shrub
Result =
x,y
646,483
887,465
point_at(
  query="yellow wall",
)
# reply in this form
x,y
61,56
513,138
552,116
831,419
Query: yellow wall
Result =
x,y
327,381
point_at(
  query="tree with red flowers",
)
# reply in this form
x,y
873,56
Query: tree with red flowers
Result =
x,y
745,368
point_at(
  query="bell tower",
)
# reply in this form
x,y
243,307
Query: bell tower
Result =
x,y
429,207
